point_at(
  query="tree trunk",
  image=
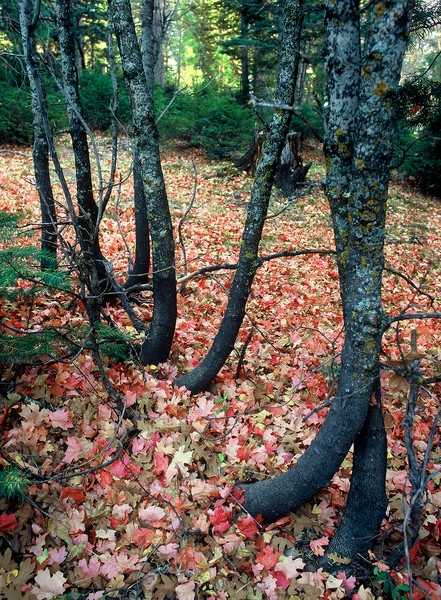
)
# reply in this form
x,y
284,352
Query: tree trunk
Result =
x,y
157,344
244,60
40,155
95,274
139,273
367,501
200,378
291,171
358,151
40,151
159,28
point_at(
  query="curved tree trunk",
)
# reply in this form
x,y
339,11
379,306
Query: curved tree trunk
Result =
x,y
367,502
201,377
358,152
157,344
40,150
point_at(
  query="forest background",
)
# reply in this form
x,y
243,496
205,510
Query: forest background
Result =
x,y
115,481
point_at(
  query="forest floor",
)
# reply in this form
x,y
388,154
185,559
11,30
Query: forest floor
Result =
x,y
140,504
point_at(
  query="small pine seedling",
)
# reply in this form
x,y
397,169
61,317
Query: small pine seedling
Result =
x,y
13,483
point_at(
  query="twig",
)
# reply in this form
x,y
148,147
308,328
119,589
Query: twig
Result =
x,y
122,296
261,260
412,316
243,350
7,151
412,284
121,232
293,109
182,219
418,476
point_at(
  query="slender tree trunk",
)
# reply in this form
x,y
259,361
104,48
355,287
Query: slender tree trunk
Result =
x,y
157,344
40,155
244,60
95,271
40,152
159,27
200,378
139,273
358,150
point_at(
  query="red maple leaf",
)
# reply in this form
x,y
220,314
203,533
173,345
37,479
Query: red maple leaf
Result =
x,y
76,495
268,557
248,527
220,519
8,522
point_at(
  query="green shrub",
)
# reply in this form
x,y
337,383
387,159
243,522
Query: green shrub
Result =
x,y
56,106
15,114
418,133
212,120
309,111
96,96
22,262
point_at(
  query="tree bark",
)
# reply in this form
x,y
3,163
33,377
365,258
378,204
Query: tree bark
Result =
x,y
244,59
95,275
200,378
358,151
367,502
139,273
40,151
157,344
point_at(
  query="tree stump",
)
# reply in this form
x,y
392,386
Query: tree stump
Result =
x,y
290,170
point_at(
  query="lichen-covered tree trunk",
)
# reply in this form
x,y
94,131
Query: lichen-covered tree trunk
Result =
x,y
40,151
94,273
358,149
362,262
157,344
155,29
201,377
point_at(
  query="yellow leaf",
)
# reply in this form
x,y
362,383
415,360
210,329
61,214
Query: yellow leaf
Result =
x,y
11,574
338,560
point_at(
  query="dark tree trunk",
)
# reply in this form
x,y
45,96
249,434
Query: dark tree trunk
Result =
x,y
367,502
40,151
139,273
40,155
95,273
290,168
157,344
358,150
249,161
201,377
291,171
244,60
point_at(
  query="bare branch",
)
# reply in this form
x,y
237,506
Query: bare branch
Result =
x,y
184,216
